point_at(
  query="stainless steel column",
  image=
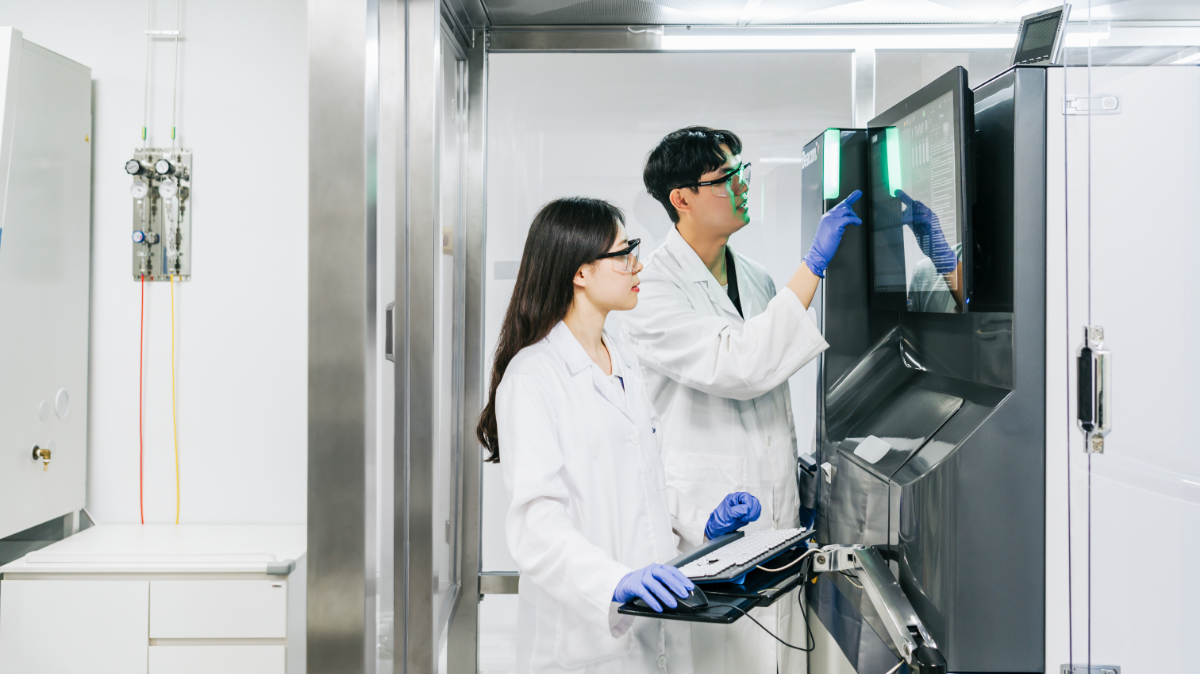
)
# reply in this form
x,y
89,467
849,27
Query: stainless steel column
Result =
x,y
424,33
340,336
463,655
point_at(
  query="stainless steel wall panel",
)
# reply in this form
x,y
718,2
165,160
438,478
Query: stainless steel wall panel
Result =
x,y
391,200
423,77
337,334
463,656
572,39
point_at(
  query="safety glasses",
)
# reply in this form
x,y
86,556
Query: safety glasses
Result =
x,y
720,186
624,260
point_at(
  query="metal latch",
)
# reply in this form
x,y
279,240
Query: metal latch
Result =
x,y
1102,104
1095,388
1092,669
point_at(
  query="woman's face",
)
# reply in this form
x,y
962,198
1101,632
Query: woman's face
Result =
x,y
606,282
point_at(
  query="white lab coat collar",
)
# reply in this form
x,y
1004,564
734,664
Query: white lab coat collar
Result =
x,y
694,270
563,341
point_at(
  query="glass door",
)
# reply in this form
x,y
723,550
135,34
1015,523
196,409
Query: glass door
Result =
x,y
1129,109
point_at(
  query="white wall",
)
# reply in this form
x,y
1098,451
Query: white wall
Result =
x,y
242,319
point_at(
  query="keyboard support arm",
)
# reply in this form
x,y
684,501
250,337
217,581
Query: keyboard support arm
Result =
x,y
904,627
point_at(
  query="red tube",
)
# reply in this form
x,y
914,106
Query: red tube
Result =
x,y
141,358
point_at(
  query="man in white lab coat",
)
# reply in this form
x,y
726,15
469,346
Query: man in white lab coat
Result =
x,y
718,345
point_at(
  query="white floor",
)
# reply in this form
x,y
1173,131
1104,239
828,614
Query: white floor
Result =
x,y
498,634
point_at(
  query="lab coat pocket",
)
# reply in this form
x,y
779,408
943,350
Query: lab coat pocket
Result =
x,y
705,479
581,643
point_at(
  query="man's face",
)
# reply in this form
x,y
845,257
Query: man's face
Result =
x,y
725,207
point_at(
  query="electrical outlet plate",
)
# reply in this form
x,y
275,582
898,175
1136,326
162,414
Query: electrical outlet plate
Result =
x,y
163,216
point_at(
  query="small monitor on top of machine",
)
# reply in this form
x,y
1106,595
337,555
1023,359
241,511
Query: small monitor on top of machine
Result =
x,y
1040,37
919,186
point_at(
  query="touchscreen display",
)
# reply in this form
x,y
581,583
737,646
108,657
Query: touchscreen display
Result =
x,y
916,247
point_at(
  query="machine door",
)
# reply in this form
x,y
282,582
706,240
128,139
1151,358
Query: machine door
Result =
x,y
1119,461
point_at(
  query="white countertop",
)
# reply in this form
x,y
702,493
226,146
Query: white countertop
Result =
x,y
166,548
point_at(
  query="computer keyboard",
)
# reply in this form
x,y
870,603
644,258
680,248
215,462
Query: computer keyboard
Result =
x,y
742,555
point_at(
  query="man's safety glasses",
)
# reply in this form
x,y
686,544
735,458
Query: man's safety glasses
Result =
x,y
626,259
720,186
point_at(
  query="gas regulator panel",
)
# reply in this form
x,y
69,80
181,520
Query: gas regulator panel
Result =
x,y
162,218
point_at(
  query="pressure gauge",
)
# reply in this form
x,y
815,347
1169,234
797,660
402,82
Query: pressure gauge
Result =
x,y
163,167
139,189
134,167
167,189
139,236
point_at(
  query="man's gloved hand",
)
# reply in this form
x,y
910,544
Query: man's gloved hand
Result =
x,y
829,234
735,511
928,230
653,581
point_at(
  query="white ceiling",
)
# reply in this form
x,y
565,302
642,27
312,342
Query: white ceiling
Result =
x,y
775,12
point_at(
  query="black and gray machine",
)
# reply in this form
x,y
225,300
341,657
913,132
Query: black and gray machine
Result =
x,y
929,476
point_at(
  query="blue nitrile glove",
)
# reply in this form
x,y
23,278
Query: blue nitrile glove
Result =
x,y
653,581
829,234
928,230
736,511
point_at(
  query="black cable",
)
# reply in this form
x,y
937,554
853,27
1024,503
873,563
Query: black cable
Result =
x,y
760,625
809,638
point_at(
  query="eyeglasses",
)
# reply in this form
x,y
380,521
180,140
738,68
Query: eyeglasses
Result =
x,y
626,259
719,186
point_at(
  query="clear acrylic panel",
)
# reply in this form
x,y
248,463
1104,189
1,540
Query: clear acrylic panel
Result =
x,y
1127,107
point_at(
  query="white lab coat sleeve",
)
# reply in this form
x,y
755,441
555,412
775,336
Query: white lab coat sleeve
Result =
x,y
549,550
687,521
708,353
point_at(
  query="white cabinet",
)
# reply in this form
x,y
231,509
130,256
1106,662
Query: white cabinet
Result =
x,y
159,599
70,626
181,659
218,609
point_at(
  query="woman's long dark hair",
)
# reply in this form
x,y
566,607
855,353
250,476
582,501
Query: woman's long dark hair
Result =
x,y
565,235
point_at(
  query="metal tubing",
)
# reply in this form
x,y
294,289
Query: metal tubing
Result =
x,y
337,335
463,653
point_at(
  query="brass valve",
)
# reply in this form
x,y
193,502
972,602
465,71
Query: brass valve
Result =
x,y
43,455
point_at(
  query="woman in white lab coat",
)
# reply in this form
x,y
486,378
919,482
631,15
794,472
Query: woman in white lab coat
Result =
x,y
590,517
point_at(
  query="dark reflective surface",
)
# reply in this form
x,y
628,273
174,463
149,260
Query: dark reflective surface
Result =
x,y
959,498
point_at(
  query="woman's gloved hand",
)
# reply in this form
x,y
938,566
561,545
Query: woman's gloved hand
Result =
x,y
653,581
928,230
736,511
829,234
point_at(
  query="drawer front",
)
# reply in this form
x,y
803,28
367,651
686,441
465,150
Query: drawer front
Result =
x,y
223,659
86,626
218,609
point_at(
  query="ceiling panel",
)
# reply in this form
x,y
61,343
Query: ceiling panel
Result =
x,y
776,12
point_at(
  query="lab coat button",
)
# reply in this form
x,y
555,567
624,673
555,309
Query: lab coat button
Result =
x,y
662,661
635,439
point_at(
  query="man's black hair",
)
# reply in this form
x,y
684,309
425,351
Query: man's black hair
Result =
x,y
682,157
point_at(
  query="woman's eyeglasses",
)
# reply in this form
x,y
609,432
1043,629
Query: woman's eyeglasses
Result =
x,y
625,260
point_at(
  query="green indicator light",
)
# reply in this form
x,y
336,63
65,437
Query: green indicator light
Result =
x,y
892,141
832,163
